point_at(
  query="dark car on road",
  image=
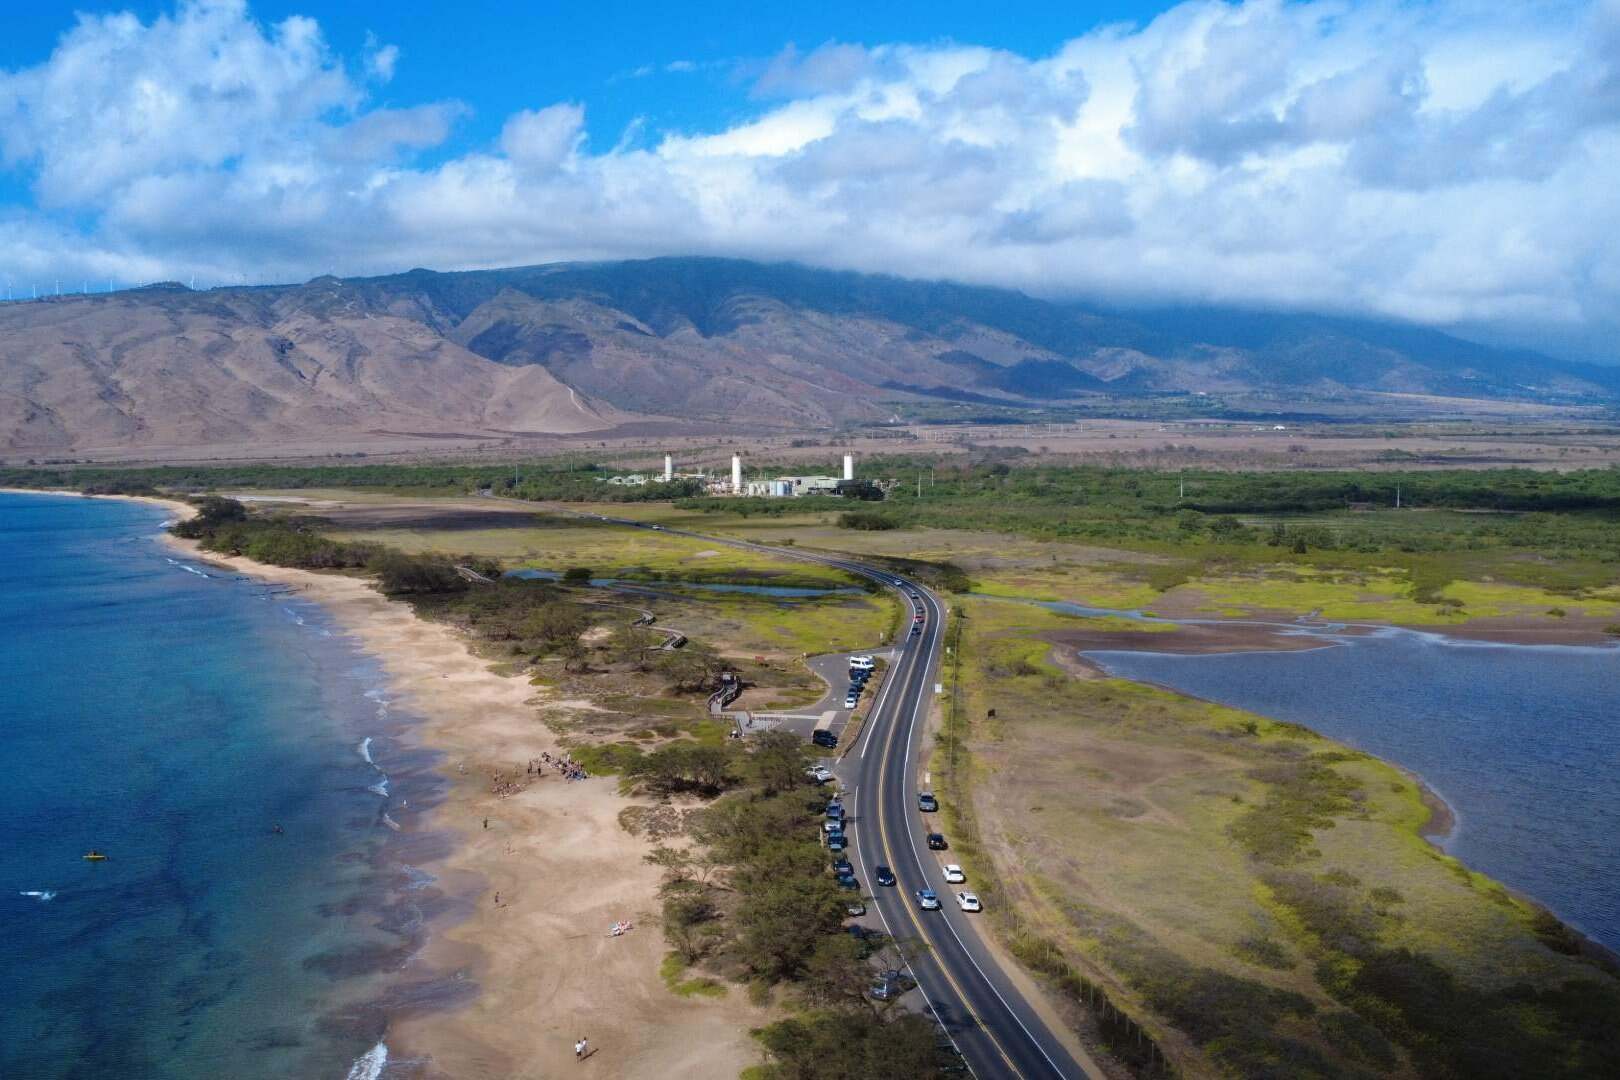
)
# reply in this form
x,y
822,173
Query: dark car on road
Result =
x,y
883,875
936,841
891,984
927,803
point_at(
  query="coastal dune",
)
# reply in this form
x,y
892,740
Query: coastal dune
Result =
x,y
547,966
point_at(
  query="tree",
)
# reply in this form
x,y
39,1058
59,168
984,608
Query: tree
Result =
x,y
213,511
690,914
634,645
693,667
836,1045
416,574
777,762
577,575
553,624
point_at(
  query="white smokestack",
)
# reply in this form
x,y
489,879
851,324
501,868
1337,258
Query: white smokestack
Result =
x,y
669,467
736,474
849,466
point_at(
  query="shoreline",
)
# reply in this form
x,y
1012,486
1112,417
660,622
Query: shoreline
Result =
x,y
1440,827
545,968
1443,821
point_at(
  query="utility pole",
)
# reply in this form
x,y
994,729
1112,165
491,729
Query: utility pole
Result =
x,y
1183,496
1397,496
919,483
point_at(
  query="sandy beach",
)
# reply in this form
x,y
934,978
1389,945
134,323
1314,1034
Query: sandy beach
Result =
x,y
548,969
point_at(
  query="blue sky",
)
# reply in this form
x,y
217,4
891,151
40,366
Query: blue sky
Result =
x,y
501,57
1450,162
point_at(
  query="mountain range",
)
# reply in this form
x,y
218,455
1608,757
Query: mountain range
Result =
x,y
597,347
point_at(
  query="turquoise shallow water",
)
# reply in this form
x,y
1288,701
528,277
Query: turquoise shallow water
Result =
x,y
170,716
1523,742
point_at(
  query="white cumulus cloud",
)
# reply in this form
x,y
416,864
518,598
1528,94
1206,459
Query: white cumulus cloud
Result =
x,y
1451,162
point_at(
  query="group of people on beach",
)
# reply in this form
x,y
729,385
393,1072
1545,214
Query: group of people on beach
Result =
x,y
563,763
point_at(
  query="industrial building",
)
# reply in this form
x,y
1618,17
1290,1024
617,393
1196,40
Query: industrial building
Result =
x,y
777,487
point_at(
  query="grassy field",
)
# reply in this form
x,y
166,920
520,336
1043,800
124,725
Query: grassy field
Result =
x,y
1415,588
555,543
1261,897
780,627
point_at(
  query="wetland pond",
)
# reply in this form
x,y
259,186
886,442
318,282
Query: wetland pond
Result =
x,y
1522,742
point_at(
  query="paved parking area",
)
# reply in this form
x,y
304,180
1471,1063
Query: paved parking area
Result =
x,y
833,668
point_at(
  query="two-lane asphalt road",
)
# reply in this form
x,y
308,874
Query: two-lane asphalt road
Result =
x,y
986,1016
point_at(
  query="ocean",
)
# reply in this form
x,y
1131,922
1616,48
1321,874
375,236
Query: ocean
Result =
x,y
1522,742
239,762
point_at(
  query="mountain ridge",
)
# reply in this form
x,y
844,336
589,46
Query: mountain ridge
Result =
x,y
572,348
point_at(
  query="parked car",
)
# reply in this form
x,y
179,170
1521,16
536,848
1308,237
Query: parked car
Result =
x,y
847,881
819,773
936,841
927,899
824,738
927,803
833,824
851,701
836,842
841,865
855,908
968,902
835,809
953,874
891,984
882,875
862,663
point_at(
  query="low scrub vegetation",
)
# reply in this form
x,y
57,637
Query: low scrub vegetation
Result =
x,y
752,900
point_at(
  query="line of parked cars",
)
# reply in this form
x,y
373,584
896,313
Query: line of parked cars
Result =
x,y
860,669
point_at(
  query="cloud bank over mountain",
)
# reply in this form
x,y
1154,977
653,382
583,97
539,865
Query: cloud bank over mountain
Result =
x,y
1453,163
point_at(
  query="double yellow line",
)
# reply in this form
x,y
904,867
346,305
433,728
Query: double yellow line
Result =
x,y
922,656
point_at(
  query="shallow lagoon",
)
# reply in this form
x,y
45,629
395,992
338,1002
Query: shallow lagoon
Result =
x,y
1523,742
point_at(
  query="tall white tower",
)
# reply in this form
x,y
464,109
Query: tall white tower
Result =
x,y
849,466
669,467
736,474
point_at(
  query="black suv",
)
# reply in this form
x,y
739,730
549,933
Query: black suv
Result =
x,y
824,738
936,841
883,875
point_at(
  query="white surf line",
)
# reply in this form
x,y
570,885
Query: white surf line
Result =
x,y
370,1065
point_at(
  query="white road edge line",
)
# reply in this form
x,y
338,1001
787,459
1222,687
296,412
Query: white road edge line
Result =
x,y
938,609
928,1001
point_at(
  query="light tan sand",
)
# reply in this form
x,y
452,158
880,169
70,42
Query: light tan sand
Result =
x,y
565,870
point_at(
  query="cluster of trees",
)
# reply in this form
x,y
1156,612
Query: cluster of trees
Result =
x,y
1571,514
754,897
866,521
223,525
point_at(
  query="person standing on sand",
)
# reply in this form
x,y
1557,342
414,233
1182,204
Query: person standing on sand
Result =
x,y
579,1049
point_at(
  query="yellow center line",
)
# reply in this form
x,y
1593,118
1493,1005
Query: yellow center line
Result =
x,y
911,914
